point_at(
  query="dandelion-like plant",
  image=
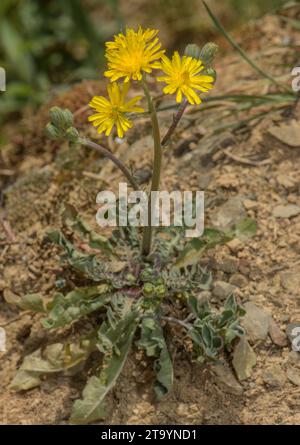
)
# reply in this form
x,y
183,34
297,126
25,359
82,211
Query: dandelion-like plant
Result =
x,y
132,57
138,300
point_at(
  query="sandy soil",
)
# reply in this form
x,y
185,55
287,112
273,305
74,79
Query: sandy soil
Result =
x,y
246,162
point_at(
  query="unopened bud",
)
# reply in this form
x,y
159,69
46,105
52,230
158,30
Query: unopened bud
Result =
x,y
53,132
208,53
192,50
148,289
160,290
68,118
61,118
72,134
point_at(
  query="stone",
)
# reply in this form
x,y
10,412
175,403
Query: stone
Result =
x,y
286,181
235,245
277,336
249,204
10,297
290,280
293,359
293,374
287,211
256,322
226,380
222,290
244,359
238,280
203,297
229,214
274,376
289,133
228,265
204,180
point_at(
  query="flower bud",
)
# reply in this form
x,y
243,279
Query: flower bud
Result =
x,y
68,118
208,53
61,118
148,289
53,132
192,50
160,290
57,116
72,134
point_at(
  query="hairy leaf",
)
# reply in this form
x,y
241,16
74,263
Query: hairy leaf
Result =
x,y
54,358
32,302
88,265
91,406
77,303
211,331
74,222
195,248
152,340
245,229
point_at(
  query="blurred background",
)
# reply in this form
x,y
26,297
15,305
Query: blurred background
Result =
x,y
47,45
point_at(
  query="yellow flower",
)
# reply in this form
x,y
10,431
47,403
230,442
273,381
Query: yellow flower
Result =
x,y
183,77
131,54
113,111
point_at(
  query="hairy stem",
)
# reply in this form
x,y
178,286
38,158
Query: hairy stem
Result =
x,y
147,232
105,152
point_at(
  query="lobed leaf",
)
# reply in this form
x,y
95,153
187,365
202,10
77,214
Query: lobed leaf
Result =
x,y
71,218
54,358
64,309
152,340
91,406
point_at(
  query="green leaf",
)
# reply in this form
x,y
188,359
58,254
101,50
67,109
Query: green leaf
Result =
x,y
200,311
91,406
195,248
54,358
32,302
211,331
88,265
76,304
152,340
245,229
13,45
74,222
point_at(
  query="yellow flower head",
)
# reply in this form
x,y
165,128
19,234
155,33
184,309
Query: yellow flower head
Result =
x,y
131,54
113,111
183,77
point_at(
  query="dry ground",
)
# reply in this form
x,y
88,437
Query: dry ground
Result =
x,y
247,162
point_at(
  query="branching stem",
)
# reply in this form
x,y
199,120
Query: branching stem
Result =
x,y
108,154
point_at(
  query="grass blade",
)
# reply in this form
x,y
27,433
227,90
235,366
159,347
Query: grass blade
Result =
x,y
243,54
